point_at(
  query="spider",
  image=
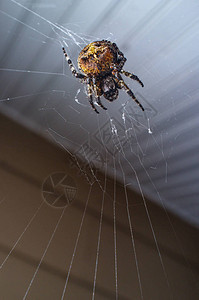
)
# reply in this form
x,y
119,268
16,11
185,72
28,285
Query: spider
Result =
x,y
101,63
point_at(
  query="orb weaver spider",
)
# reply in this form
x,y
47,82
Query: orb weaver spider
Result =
x,y
101,63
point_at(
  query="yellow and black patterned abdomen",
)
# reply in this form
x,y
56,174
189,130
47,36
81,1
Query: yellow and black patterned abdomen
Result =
x,y
96,59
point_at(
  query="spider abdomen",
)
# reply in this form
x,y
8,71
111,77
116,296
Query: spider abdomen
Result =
x,y
96,58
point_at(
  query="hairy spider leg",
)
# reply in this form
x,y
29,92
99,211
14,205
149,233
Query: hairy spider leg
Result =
x,y
132,76
90,96
97,90
121,58
120,82
72,68
100,103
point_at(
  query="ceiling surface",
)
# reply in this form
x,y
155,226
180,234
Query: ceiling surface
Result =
x,y
154,152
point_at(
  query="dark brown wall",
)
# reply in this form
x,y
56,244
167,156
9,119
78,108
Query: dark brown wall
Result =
x,y
157,258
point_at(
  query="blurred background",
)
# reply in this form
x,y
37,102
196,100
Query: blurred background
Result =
x,y
99,206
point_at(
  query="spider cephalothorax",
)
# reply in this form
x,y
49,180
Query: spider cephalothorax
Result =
x,y
101,63
109,88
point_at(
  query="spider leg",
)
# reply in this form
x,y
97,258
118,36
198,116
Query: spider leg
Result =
x,y
132,76
120,82
100,103
97,89
90,96
121,59
72,68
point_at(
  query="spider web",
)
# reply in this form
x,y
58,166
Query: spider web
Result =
x,y
111,152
